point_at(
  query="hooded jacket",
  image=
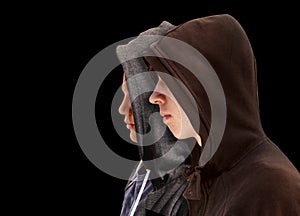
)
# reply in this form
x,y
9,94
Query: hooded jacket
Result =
x,y
244,173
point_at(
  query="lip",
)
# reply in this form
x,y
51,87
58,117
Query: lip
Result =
x,y
163,113
130,126
166,117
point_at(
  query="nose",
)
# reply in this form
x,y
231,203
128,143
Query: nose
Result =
x,y
125,107
157,98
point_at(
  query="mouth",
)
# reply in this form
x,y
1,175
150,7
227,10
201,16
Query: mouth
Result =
x,y
130,126
166,117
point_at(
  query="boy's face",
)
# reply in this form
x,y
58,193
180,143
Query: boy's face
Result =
x,y
171,111
126,110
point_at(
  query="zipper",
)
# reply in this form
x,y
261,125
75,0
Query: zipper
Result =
x,y
201,203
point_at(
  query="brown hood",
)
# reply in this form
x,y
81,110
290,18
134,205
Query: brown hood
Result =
x,y
223,42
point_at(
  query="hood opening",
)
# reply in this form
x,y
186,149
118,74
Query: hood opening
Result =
x,y
223,42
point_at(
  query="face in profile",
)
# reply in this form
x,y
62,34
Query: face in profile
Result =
x,y
171,111
126,110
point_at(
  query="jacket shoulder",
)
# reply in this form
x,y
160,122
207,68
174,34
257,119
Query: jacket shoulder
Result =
x,y
266,186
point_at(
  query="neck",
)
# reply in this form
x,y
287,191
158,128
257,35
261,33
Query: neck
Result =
x,y
198,139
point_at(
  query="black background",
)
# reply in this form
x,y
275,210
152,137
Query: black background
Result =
x,y
71,34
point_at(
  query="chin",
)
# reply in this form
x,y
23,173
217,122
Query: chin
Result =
x,y
181,136
133,137
176,135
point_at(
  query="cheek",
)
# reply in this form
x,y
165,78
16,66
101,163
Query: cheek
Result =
x,y
185,122
175,124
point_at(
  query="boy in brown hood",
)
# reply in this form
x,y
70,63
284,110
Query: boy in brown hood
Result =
x,y
234,168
